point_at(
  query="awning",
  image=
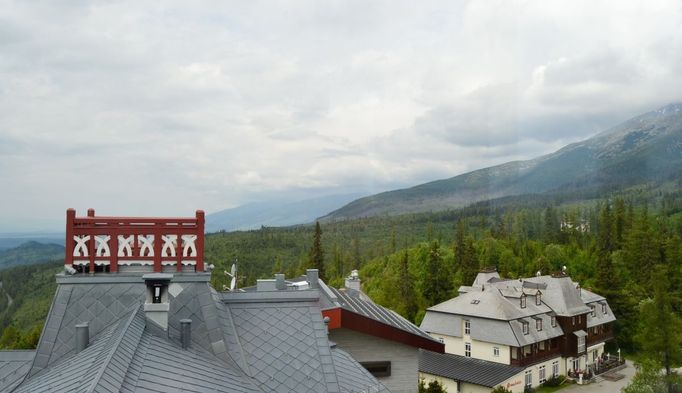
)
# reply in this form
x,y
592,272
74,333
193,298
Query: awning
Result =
x,y
580,333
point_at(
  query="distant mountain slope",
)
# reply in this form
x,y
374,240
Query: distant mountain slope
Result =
x,y
30,253
255,215
647,148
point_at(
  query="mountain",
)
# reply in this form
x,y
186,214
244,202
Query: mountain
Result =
x,y
645,149
275,213
30,253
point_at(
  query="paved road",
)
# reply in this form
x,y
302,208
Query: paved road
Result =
x,y
605,386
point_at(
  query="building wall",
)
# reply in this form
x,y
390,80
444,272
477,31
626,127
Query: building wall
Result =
x,y
450,385
366,348
479,349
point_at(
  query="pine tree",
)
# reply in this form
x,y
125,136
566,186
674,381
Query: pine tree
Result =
x,y
660,328
606,277
406,289
316,255
436,283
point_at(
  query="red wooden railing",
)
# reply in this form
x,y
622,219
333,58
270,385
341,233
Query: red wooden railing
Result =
x,y
112,241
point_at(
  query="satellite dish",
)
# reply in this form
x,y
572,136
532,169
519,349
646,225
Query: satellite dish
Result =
x,y
538,274
232,273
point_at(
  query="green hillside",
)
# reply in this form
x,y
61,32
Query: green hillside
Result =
x,y
30,253
645,149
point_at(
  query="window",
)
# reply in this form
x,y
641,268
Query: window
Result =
x,y
581,344
573,321
542,345
603,309
467,350
553,319
538,324
555,369
541,376
538,298
576,364
525,327
529,379
592,311
442,341
467,326
523,300
580,319
496,352
378,369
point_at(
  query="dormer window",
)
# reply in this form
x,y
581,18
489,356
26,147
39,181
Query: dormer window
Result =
x,y
538,324
604,309
593,311
538,298
523,300
525,327
553,321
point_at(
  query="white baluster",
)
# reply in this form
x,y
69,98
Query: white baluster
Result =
x,y
147,245
189,248
102,246
81,248
124,245
168,245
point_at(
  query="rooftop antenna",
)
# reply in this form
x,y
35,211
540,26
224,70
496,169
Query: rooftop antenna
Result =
x,y
538,274
233,273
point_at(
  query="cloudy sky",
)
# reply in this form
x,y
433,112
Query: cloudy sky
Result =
x,y
162,107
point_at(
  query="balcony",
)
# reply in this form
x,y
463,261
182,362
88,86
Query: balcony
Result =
x,y
593,339
104,244
537,357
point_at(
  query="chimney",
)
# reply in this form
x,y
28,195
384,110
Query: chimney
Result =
x,y
82,336
157,303
313,277
279,282
185,333
353,281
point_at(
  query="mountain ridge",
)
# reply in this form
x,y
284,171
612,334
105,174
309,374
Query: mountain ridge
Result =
x,y
645,147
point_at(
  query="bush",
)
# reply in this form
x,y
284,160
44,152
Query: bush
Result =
x,y
528,390
501,389
554,381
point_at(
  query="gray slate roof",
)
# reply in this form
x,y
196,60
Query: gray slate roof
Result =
x,y
353,379
241,342
14,365
352,300
461,368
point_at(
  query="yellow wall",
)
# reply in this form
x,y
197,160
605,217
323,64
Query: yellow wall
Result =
x,y
449,384
479,349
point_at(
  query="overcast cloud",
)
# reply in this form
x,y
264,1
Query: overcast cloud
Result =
x,y
160,108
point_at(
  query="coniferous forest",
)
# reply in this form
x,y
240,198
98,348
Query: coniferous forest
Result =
x,y
627,248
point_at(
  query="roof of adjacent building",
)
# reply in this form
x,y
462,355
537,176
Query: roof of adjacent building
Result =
x,y
241,342
352,300
466,369
359,303
494,308
13,367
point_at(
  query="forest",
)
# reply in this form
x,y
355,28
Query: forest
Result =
x,y
627,248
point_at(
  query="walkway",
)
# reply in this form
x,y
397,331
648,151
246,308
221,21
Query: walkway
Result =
x,y
605,386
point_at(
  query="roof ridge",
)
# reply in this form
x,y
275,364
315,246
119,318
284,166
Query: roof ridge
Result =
x,y
117,337
244,364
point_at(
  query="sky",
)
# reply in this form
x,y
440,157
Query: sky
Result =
x,y
164,107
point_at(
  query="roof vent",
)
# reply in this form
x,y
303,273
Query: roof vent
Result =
x,y
185,333
313,278
280,284
82,336
353,281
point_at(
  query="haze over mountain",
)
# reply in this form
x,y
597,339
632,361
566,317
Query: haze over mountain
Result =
x,y
644,149
275,213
